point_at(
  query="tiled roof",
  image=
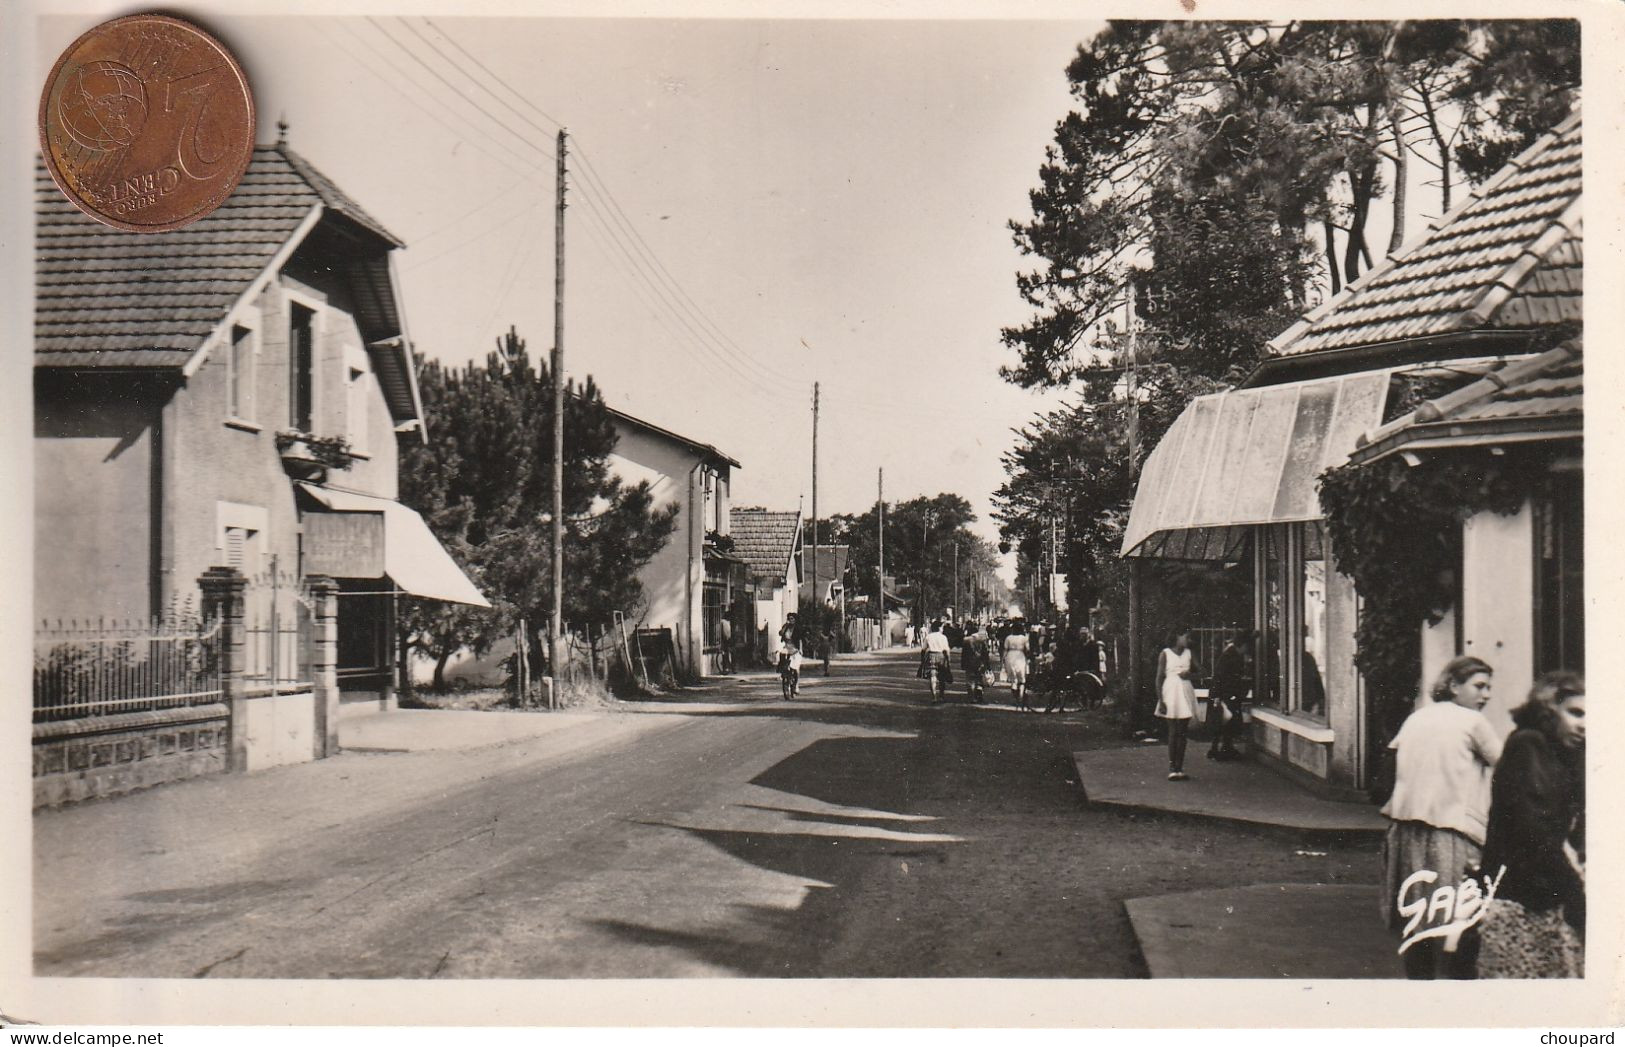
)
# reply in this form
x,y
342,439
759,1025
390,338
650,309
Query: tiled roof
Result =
x,y
109,298
830,561
1541,397
764,539
1508,257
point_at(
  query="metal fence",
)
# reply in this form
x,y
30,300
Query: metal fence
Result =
x,y
277,632
96,668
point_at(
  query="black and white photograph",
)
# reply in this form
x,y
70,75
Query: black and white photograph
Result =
x,y
818,506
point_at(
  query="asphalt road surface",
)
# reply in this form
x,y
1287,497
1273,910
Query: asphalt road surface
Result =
x,y
857,832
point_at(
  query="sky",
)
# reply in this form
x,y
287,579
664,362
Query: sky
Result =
x,y
755,206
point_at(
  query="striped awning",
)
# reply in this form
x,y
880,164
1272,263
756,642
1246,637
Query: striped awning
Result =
x,y
1247,457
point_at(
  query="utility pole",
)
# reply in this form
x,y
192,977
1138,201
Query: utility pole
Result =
x,y
555,623
818,602
959,614
880,540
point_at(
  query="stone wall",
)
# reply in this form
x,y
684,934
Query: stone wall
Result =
x,y
109,755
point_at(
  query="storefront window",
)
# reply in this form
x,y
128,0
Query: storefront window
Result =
x,y
1312,693
1289,576
1267,661
1560,576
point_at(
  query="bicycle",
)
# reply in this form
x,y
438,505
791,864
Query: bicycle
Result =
x,y
789,676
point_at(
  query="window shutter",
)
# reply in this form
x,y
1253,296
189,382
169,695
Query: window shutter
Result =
x,y
236,541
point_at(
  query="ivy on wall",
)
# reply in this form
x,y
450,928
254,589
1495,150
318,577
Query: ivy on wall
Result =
x,y
1396,531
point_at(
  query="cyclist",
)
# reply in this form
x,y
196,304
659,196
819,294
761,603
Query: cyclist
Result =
x,y
789,668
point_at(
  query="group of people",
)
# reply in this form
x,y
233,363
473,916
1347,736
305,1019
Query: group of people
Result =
x,y
1031,658
1471,816
1507,818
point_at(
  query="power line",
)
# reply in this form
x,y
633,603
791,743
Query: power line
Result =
x,y
739,354
595,183
487,70
507,220
460,129
765,377
459,91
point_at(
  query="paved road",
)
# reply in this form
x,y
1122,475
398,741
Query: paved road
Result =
x,y
856,833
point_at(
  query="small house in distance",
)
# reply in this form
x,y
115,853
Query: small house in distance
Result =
x,y
770,544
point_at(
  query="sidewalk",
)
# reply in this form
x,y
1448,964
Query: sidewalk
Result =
x,y
1270,930
1241,791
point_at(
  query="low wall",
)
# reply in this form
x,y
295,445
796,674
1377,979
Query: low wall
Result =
x,y
109,755
279,729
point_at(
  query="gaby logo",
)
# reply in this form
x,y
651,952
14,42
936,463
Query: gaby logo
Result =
x,y
1448,911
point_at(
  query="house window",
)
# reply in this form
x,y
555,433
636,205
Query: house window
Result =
x,y
302,364
714,605
240,374
1560,576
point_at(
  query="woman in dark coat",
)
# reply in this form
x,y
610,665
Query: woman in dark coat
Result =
x,y
1535,924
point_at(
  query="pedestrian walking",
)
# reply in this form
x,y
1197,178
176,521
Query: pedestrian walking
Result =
x,y
1016,645
1534,846
826,646
725,649
1232,681
934,655
1177,700
1444,755
973,658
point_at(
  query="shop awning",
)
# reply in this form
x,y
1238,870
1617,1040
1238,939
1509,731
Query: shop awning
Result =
x,y
361,536
1249,456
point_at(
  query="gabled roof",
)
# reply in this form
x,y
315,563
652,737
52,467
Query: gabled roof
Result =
x,y
1509,257
705,450
828,563
1539,398
765,540
108,298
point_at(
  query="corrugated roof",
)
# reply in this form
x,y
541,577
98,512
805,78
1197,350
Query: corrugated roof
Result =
x,y
1509,257
764,539
109,298
1542,397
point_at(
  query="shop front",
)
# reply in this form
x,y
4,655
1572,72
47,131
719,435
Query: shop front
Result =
x,y
1233,483
379,551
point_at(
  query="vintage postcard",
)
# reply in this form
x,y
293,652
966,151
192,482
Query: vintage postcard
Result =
x,y
731,515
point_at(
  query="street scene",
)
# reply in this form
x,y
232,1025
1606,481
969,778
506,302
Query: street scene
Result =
x,y
858,832
608,499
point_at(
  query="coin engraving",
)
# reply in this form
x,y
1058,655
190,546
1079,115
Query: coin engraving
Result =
x,y
146,123
103,106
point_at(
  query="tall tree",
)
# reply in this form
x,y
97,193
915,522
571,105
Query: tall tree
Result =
x,y
482,482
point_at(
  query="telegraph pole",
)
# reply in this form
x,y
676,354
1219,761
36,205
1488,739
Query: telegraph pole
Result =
x,y
958,611
880,521
555,623
817,600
